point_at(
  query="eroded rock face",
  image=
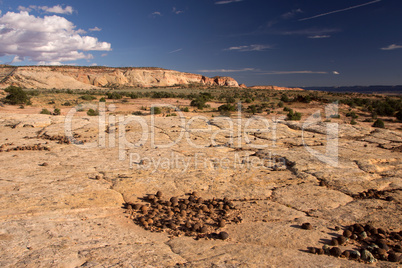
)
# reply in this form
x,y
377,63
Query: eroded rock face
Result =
x,y
275,88
89,77
69,212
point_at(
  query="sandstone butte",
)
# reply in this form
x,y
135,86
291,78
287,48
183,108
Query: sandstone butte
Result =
x,y
74,77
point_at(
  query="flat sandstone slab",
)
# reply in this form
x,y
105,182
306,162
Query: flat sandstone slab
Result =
x,y
63,207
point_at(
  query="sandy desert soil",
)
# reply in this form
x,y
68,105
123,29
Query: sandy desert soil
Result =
x,y
62,204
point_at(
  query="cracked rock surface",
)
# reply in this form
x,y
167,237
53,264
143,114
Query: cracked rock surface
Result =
x,y
63,207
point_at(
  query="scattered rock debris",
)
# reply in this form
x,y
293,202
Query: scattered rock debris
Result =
x,y
374,194
60,139
192,216
369,244
36,147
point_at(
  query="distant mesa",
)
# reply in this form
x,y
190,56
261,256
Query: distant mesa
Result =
x,y
275,88
73,77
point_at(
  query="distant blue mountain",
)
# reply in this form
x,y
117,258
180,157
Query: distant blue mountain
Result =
x,y
361,89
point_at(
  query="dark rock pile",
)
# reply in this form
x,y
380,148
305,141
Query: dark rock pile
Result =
x,y
59,138
375,194
192,216
36,147
370,244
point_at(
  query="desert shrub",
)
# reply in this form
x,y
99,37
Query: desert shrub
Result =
x,y
335,116
87,97
185,109
301,98
45,111
92,112
67,103
56,111
294,115
280,104
230,100
379,123
172,114
199,102
285,98
51,102
162,95
114,95
248,100
353,122
254,109
156,110
102,99
16,96
352,114
33,93
227,107
138,113
287,109
133,95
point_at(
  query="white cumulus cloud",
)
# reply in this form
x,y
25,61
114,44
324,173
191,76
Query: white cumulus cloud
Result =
x,y
58,9
392,47
51,40
95,29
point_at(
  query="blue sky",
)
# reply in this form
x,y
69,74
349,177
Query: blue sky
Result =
x,y
284,43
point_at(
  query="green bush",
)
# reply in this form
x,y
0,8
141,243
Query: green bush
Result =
x,y
285,98
16,96
352,114
227,107
230,100
156,110
133,96
185,109
87,97
56,111
138,113
92,112
280,104
353,122
200,103
67,103
379,123
102,99
294,115
45,111
254,109
114,95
